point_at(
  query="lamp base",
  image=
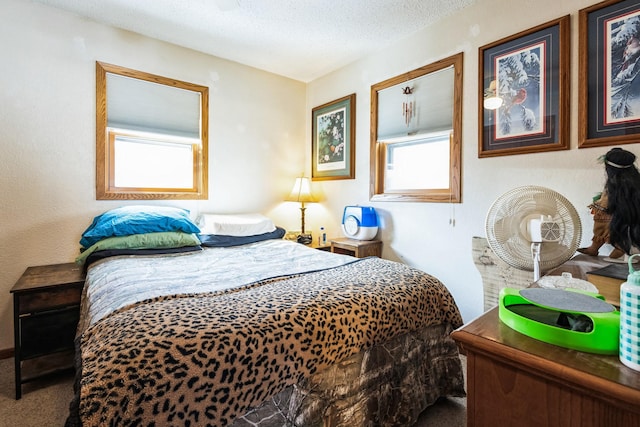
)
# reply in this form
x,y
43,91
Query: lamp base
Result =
x,y
305,239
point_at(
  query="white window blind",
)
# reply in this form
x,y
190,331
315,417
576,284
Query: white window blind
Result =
x,y
140,105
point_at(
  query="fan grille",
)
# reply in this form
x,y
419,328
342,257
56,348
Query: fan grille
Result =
x,y
506,227
551,231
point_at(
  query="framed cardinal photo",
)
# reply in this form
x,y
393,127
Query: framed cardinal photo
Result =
x,y
524,92
609,40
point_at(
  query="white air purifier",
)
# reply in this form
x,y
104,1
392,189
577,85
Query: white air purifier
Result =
x,y
360,222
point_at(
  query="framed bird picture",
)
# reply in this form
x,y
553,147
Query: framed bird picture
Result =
x,y
524,92
609,54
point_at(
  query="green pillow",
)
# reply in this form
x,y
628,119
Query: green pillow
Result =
x,y
128,220
158,240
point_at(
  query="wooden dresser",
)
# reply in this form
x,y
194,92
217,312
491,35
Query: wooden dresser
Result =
x,y
514,380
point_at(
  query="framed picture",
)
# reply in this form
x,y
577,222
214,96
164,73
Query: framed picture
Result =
x,y
333,139
524,92
609,37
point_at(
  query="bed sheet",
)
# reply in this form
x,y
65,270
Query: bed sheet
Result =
x,y
210,270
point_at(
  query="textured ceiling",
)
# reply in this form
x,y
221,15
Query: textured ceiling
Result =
x,y
300,39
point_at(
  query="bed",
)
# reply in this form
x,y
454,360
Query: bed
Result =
x,y
265,333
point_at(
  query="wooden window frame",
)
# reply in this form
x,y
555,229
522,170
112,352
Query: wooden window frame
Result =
x,y
453,194
105,137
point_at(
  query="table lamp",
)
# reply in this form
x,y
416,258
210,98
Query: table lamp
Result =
x,y
301,193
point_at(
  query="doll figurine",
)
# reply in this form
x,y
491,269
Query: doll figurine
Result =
x,y
623,190
601,221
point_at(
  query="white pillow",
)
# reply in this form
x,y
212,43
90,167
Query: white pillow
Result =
x,y
238,225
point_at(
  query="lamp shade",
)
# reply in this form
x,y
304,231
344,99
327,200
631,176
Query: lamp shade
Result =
x,y
301,191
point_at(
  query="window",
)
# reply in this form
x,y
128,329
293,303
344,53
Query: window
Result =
x,y
165,163
151,138
416,125
417,163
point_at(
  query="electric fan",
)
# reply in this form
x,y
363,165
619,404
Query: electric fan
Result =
x,y
533,228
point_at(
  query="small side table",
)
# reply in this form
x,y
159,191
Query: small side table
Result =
x,y
357,248
326,247
46,309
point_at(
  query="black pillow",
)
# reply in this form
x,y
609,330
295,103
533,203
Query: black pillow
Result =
x,y
220,241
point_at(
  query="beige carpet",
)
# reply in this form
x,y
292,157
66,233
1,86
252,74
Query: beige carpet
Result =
x,y
45,403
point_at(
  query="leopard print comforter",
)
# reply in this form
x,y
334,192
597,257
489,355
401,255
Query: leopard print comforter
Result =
x,y
207,358
387,385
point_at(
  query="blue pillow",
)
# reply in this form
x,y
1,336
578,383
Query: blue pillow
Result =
x,y
130,220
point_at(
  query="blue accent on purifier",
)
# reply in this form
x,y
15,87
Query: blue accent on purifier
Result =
x,y
365,214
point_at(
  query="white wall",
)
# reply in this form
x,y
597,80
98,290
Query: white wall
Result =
x,y
259,139
419,234
47,133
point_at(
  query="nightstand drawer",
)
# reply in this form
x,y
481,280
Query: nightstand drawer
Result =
x,y
49,298
48,331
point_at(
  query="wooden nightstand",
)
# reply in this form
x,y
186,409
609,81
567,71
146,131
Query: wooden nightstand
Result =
x,y
357,248
46,308
326,247
515,380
